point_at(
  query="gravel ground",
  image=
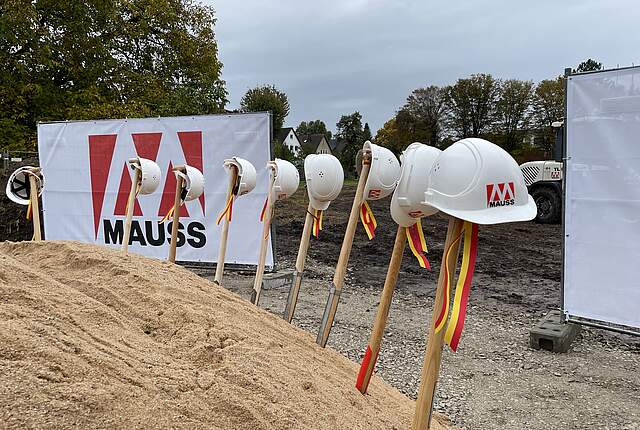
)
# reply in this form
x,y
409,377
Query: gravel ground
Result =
x,y
495,380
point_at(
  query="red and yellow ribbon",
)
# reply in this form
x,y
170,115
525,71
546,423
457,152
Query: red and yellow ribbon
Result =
x,y
418,244
317,222
264,210
463,287
29,210
368,220
228,210
444,310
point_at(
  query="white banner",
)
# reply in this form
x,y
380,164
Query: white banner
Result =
x,y
602,205
88,182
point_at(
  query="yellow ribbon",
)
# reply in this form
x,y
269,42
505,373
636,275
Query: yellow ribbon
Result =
x,y
168,215
228,210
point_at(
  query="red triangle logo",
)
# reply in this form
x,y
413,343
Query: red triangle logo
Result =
x,y
191,142
101,148
147,144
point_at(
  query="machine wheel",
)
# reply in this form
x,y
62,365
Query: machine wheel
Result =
x,y
549,205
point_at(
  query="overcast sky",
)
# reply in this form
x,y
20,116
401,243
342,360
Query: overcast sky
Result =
x,y
338,56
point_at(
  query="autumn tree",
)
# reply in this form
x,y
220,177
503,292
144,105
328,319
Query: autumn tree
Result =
x,y
267,98
471,105
548,107
89,59
390,137
512,112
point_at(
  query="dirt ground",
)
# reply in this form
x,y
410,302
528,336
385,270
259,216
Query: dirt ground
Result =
x,y
494,381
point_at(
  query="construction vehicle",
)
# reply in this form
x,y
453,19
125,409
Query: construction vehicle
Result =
x,y
544,181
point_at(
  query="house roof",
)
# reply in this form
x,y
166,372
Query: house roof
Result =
x,y
310,142
282,134
337,146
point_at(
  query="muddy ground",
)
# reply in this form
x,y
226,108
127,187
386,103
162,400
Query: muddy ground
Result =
x,y
494,381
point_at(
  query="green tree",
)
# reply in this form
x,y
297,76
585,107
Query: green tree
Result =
x,y
423,115
366,133
512,110
588,66
267,98
283,152
349,130
313,127
548,106
471,105
90,59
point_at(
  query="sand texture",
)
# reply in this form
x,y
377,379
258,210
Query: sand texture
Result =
x,y
96,339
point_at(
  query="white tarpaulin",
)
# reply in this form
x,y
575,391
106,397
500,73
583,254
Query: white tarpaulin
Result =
x,y
88,182
602,205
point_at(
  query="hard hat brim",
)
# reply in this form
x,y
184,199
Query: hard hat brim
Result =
x,y
23,171
525,212
400,216
316,204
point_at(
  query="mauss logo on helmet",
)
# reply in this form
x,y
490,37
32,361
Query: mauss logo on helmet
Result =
x,y
374,194
501,194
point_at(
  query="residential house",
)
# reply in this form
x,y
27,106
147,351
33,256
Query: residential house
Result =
x,y
287,136
315,144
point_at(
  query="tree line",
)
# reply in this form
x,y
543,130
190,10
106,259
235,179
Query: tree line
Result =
x,y
501,110
88,59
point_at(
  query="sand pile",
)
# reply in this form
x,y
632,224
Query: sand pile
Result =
x,y
92,338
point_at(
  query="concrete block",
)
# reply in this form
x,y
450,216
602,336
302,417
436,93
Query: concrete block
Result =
x,y
280,279
552,334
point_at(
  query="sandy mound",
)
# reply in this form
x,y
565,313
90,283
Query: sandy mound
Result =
x,y
92,338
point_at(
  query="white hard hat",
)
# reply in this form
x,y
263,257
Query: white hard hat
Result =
x,y
287,179
324,176
384,172
150,174
407,203
193,183
18,187
246,174
477,181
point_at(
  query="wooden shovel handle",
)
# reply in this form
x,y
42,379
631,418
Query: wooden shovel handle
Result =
x,y
366,369
433,355
224,234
